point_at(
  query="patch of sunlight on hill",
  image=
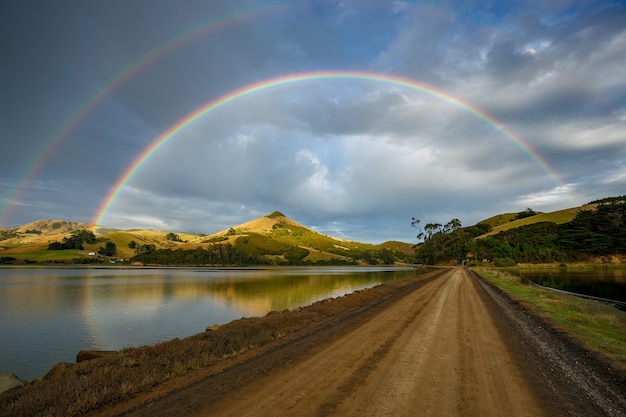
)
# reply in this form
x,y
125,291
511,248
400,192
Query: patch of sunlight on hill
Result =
x,y
558,217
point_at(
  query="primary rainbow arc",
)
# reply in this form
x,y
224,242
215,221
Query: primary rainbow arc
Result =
x,y
305,77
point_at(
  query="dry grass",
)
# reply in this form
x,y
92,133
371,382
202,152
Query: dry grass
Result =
x,y
87,385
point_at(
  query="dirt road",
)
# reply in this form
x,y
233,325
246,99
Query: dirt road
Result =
x,y
442,349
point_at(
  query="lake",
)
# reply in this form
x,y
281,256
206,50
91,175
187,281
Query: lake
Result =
x,y
598,282
49,314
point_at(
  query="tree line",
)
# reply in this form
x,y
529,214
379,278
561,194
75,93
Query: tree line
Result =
x,y
598,232
75,241
216,254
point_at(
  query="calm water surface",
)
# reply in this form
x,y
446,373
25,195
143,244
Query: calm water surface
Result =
x,y
48,315
598,282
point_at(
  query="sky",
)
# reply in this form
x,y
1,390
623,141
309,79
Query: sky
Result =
x,y
177,115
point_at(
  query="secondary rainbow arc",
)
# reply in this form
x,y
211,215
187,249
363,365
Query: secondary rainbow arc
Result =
x,y
98,95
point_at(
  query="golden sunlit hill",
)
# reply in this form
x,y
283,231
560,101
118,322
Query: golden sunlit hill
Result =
x,y
282,240
274,239
509,221
30,241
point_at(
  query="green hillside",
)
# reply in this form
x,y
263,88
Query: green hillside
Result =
x,y
273,239
576,233
499,219
504,222
594,232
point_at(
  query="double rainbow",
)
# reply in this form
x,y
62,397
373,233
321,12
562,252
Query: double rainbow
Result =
x,y
292,79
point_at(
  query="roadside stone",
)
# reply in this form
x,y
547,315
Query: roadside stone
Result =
x,y
10,381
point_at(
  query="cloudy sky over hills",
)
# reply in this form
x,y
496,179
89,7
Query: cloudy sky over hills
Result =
x,y
351,117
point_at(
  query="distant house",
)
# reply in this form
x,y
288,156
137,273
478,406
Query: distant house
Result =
x,y
92,253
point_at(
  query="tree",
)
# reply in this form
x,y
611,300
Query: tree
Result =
x,y
132,244
8,260
432,229
109,249
173,237
453,225
526,213
441,243
147,248
55,246
416,224
601,231
75,241
369,258
386,256
84,236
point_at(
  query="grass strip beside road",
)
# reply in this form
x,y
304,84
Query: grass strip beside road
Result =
x,y
598,326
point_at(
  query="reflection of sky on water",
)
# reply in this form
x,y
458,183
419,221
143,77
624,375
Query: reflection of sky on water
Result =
x,y
48,315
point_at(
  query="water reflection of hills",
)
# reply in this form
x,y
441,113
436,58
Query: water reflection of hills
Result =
x,y
291,291
255,293
50,314
37,293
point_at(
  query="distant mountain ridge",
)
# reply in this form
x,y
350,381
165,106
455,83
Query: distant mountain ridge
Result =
x,y
271,239
48,227
274,238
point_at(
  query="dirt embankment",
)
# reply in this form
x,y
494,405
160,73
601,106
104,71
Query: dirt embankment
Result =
x,y
448,345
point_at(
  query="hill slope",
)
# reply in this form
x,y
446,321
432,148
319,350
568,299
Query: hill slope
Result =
x,y
280,239
507,221
274,238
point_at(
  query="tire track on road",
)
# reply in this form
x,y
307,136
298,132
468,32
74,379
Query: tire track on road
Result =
x,y
372,362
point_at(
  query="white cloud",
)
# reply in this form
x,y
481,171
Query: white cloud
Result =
x,y
552,199
587,134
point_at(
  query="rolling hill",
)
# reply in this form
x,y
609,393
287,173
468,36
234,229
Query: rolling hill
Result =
x,y
274,238
508,221
588,233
